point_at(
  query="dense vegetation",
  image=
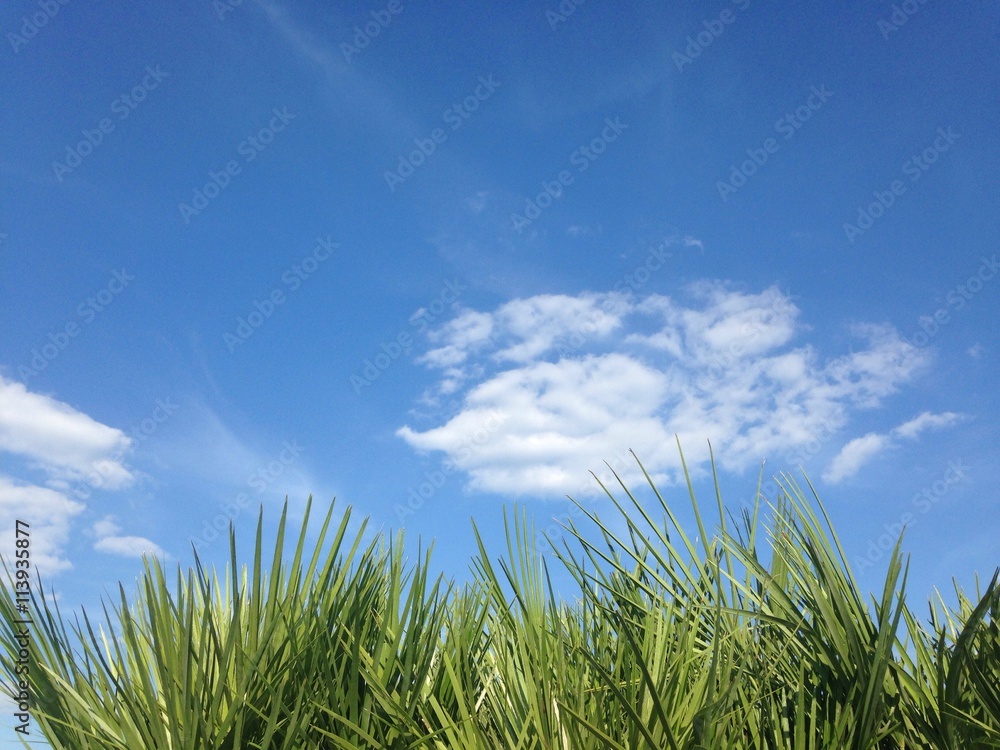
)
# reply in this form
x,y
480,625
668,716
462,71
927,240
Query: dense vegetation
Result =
x,y
759,638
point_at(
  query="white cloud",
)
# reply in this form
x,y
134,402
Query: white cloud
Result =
x,y
129,546
469,330
48,514
536,323
109,540
556,418
106,527
525,329
727,321
927,421
582,379
519,331
71,449
65,443
855,454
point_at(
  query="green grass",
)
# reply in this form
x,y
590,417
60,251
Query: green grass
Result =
x,y
756,636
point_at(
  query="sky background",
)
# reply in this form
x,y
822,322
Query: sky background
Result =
x,y
437,260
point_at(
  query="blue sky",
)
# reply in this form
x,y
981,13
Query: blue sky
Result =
x,y
432,261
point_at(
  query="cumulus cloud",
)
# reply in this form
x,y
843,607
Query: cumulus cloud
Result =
x,y
462,335
533,325
69,448
581,379
48,514
554,415
65,443
129,546
726,321
110,540
520,331
858,452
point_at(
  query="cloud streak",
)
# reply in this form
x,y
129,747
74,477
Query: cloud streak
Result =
x,y
860,451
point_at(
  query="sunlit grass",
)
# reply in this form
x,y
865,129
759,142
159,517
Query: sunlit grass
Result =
x,y
756,635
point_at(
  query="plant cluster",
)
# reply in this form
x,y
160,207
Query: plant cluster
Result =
x,y
756,637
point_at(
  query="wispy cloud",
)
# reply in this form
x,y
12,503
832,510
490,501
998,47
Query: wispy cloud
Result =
x,y
204,449
926,421
860,451
304,41
854,455
344,84
582,377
